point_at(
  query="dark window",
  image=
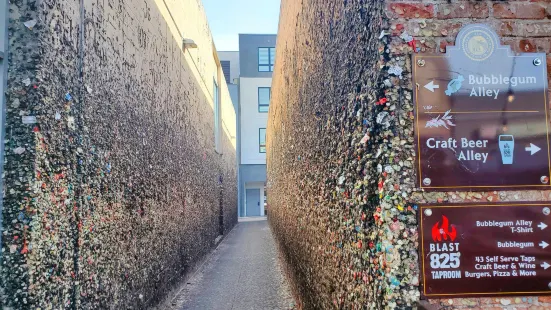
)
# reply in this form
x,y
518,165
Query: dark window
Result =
x,y
226,69
266,59
262,140
264,95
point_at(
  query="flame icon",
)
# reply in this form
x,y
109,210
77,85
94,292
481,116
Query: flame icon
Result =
x,y
442,232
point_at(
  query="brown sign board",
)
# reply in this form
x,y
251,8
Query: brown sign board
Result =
x,y
485,250
481,116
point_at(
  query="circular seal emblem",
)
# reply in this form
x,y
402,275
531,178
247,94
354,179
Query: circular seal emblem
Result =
x,y
478,44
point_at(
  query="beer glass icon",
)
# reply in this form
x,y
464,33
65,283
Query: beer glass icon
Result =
x,y
506,147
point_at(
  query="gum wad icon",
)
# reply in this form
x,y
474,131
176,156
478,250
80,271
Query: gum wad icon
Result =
x,y
454,85
507,148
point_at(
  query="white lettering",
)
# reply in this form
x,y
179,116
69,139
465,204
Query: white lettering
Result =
x,y
501,273
473,143
428,143
455,274
494,224
501,80
527,258
514,244
507,259
444,247
524,223
531,273
527,266
477,275
441,144
471,155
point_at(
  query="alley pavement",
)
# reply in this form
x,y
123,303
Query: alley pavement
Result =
x,y
244,272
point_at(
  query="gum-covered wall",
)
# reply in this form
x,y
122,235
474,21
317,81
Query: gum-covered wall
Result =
x,y
113,188
343,201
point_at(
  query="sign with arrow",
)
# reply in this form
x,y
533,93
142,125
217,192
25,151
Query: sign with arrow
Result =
x,y
485,249
431,86
533,149
481,116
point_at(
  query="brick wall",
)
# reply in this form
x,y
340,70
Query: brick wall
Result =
x,y
115,191
524,25
344,210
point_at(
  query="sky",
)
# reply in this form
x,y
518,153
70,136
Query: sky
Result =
x,y
228,18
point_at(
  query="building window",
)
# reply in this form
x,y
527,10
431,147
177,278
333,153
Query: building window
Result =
x,y
266,59
226,69
264,95
262,140
216,98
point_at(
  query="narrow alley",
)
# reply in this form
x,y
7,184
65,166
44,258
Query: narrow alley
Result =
x,y
244,272
275,154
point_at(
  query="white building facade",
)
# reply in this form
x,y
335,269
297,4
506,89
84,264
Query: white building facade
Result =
x,y
249,73
256,63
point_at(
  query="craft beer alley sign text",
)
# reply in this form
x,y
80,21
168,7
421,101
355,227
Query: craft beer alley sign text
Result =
x,y
481,116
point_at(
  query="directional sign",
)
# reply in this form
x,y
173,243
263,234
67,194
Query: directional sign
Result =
x,y
481,116
431,86
533,149
485,250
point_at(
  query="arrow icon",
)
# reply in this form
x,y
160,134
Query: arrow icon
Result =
x,y
542,226
533,149
545,265
431,86
543,244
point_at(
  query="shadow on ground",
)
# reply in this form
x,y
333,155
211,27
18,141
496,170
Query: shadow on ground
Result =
x,y
244,272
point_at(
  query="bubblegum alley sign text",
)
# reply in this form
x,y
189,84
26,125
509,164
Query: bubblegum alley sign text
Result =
x,y
481,116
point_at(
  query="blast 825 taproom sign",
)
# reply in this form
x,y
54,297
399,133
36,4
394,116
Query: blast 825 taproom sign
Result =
x,y
485,249
481,116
